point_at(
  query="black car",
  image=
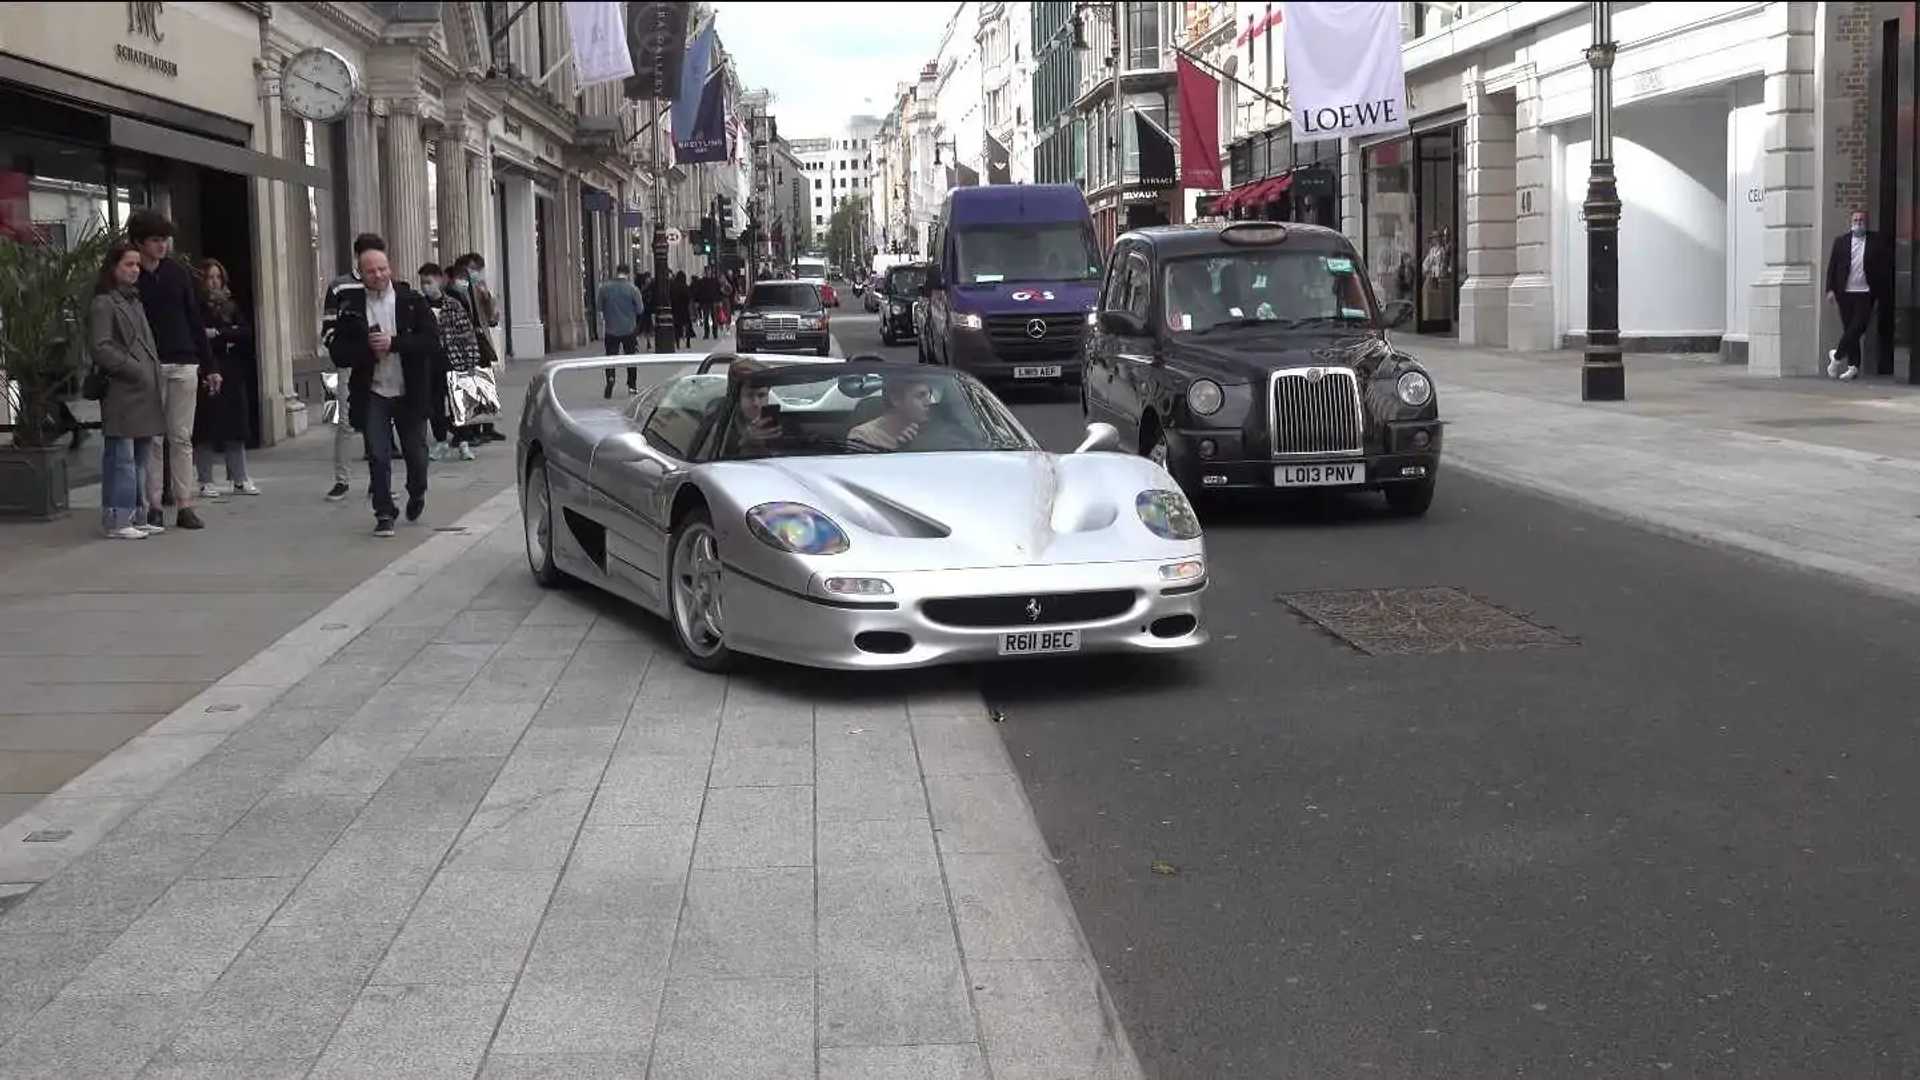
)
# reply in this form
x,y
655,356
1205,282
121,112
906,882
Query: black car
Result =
x,y
899,290
783,317
1254,356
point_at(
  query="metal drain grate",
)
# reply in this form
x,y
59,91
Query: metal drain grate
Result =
x,y
1404,622
1812,421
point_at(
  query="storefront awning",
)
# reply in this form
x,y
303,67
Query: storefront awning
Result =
x,y
131,134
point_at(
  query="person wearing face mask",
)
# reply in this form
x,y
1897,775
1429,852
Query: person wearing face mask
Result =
x,y
1859,280
460,353
220,420
471,271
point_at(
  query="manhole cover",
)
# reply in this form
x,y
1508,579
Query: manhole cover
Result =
x,y
1439,619
48,836
450,528
1811,421
223,708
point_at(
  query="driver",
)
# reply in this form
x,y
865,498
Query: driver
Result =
x,y
909,413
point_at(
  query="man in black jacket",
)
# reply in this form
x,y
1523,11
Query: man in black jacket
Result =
x,y
180,337
340,286
1859,279
388,339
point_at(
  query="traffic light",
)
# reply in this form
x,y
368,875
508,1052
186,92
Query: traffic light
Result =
x,y
703,239
723,214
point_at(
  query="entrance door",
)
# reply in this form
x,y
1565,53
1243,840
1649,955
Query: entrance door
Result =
x,y
1437,215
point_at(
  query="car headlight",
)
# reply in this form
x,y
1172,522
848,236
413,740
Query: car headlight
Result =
x,y
1167,514
1205,397
899,309
796,528
812,322
968,322
749,322
859,586
1414,388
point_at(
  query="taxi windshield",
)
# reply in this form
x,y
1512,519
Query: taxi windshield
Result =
x,y
908,411
1284,289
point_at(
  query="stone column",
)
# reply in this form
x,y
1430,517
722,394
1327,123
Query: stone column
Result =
x,y
514,272
563,269
1490,205
450,174
303,284
1784,314
481,208
406,194
362,173
273,343
1530,316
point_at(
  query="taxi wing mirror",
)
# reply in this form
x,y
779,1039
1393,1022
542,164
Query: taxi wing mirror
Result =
x,y
1395,313
1123,323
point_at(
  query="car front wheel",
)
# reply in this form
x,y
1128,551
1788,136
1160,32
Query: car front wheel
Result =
x,y
693,596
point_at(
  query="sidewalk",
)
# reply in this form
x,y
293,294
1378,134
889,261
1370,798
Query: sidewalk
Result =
x,y
1819,473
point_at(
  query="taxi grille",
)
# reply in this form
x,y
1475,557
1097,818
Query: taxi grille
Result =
x,y
1012,336
1316,415
1020,610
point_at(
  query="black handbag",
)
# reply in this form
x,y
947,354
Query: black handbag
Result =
x,y
94,386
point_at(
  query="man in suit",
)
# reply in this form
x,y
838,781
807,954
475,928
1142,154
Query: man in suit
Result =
x,y
389,339
1859,279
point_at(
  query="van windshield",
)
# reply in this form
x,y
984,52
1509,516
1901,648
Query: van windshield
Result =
x,y
1062,251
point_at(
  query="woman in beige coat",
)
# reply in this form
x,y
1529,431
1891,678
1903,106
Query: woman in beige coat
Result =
x,y
132,414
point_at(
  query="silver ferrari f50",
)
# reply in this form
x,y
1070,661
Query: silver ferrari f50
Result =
x,y
852,515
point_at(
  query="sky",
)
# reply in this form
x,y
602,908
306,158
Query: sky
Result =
x,y
825,62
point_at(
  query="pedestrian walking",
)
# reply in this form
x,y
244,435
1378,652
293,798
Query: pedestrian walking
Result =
x,y
455,427
173,314
620,306
387,337
133,411
1859,280
220,421
706,293
682,310
340,287
486,315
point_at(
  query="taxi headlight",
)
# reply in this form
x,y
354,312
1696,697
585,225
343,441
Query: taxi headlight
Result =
x,y
1414,388
1205,397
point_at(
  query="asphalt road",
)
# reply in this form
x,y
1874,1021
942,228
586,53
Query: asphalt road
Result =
x,y
1682,843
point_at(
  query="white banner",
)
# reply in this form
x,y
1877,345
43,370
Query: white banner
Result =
x,y
599,32
1344,73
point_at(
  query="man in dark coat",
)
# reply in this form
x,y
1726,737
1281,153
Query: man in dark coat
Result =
x,y
173,314
1859,279
388,338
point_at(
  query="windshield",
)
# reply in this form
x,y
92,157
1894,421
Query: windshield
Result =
x,y
806,269
1062,251
794,296
1284,288
798,414
907,280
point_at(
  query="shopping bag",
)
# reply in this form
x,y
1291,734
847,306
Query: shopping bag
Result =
x,y
472,396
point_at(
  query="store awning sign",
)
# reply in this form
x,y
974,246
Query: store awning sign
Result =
x,y
1199,98
599,33
1344,71
657,46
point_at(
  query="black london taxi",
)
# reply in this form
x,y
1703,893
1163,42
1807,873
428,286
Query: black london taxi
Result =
x,y
1253,356
899,289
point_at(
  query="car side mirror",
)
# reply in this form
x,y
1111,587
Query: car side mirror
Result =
x,y
1100,437
1123,323
1395,313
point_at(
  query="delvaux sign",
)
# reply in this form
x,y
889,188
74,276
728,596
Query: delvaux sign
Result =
x,y
1344,72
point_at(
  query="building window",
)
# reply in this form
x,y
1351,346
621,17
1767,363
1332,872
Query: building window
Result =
x,y
816,183
1143,36
818,202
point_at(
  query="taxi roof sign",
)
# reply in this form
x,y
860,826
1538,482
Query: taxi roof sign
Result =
x,y
1254,233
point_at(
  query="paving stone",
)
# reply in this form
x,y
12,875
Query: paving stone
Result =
x,y
431,794
282,836
745,924
879,784
141,767
331,952
621,872
450,667
185,940
476,731
96,1037
555,759
254,1069
673,690
765,740
338,684
756,826
723,1029
480,626
1043,1019
598,686
501,1066
669,736
983,814
959,1061
34,967
108,886
403,707
350,763
589,987
386,644
282,736
407,1032
371,877
468,928
531,831
511,681
851,844
628,624
650,790
82,821
959,746
245,1019
512,589
562,609
1011,907
894,1000
542,643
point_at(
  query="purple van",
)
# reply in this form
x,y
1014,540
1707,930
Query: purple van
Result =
x,y
1013,273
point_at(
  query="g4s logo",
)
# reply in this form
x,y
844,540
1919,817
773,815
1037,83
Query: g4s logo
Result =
x,y
1024,295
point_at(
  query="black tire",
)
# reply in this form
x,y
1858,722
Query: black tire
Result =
x,y
536,516
886,337
1411,500
698,652
823,350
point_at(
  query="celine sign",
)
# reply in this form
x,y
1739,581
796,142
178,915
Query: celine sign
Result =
x,y
1344,70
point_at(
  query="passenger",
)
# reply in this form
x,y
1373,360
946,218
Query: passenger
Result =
x,y
761,428
909,414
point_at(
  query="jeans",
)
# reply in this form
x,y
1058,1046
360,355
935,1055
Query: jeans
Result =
x,y
235,453
123,479
624,345
342,443
706,316
179,390
384,416
1856,315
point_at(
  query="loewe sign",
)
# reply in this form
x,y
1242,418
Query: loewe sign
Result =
x,y
1344,70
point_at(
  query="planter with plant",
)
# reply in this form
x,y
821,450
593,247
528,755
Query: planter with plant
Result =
x,y
44,294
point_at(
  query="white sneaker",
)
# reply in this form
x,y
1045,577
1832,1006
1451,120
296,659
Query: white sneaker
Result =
x,y
209,491
126,532
246,487
1850,374
1834,366
437,452
150,530
466,452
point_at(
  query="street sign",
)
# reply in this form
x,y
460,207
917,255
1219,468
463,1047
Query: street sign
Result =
x,y
673,236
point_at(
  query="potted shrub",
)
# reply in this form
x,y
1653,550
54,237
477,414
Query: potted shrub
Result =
x,y
44,294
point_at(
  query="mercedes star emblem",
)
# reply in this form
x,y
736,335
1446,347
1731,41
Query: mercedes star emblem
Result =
x,y
1033,609
1036,328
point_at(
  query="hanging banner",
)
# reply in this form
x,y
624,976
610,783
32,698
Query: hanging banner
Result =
x,y
700,112
599,34
1344,71
1199,99
656,46
999,161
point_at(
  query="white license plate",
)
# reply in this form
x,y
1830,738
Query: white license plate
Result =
x,y
1319,475
1037,371
780,335
1035,642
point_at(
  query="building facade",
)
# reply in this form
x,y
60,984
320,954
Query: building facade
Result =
x,y
1006,80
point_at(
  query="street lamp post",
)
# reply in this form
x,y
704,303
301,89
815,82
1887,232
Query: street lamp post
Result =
x,y
664,337
1602,375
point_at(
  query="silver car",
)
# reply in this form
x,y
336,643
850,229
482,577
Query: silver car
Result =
x,y
853,515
